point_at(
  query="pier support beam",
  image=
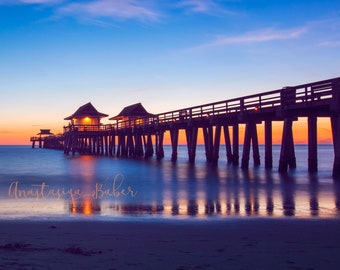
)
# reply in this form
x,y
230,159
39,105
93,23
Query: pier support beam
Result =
x,y
106,143
208,142
212,138
159,145
216,146
191,135
90,146
101,140
174,143
250,137
130,147
228,144
149,147
268,144
287,154
235,145
121,145
111,144
335,122
255,144
312,144
138,145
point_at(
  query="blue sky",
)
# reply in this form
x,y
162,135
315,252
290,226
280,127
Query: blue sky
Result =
x,y
57,55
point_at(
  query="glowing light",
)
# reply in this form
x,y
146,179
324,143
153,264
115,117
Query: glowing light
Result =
x,y
167,207
223,207
201,207
87,207
139,121
183,207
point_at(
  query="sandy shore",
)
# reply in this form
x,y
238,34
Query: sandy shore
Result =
x,y
246,243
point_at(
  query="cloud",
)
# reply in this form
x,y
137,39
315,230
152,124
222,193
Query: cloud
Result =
x,y
263,35
96,10
199,6
114,9
42,2
331,44
4,131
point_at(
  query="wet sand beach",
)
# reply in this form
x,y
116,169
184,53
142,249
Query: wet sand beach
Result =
x,y
241,243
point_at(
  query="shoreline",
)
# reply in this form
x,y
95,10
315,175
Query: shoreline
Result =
x,y
246,243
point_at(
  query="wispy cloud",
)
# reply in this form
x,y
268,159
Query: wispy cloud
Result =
x,y
102,11
331,44
4,131
138,91
199,6
263,35
97,10
42,2
114,9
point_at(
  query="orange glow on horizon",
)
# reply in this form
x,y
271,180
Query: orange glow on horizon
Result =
x,y
21,135
15,136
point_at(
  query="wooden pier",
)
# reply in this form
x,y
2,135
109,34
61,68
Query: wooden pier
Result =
x,y
142,136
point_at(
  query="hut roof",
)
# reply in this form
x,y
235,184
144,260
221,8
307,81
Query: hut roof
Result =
x,y
45,132
86,110
136,110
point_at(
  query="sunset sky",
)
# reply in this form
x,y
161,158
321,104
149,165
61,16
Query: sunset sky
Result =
x,y
56,55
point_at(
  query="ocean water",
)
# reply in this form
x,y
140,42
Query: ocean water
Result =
x,y
46,184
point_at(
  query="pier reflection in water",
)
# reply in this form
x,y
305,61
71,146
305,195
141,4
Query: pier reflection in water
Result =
x,y
103,187
201,191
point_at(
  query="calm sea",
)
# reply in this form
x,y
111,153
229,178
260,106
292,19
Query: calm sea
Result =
x,y
46,184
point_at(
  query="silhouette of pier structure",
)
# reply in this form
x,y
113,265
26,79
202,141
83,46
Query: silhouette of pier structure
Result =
x,y
40,138
46,139
138,133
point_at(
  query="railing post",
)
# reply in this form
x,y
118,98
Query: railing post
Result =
x,y
260,102
241,104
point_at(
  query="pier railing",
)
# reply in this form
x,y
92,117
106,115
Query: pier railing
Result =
x,y
302,95
307,93
88,128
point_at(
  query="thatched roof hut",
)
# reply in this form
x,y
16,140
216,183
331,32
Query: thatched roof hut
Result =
x,y
86,115
132,112
45,132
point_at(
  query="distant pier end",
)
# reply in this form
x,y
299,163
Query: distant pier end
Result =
x,y
46,139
